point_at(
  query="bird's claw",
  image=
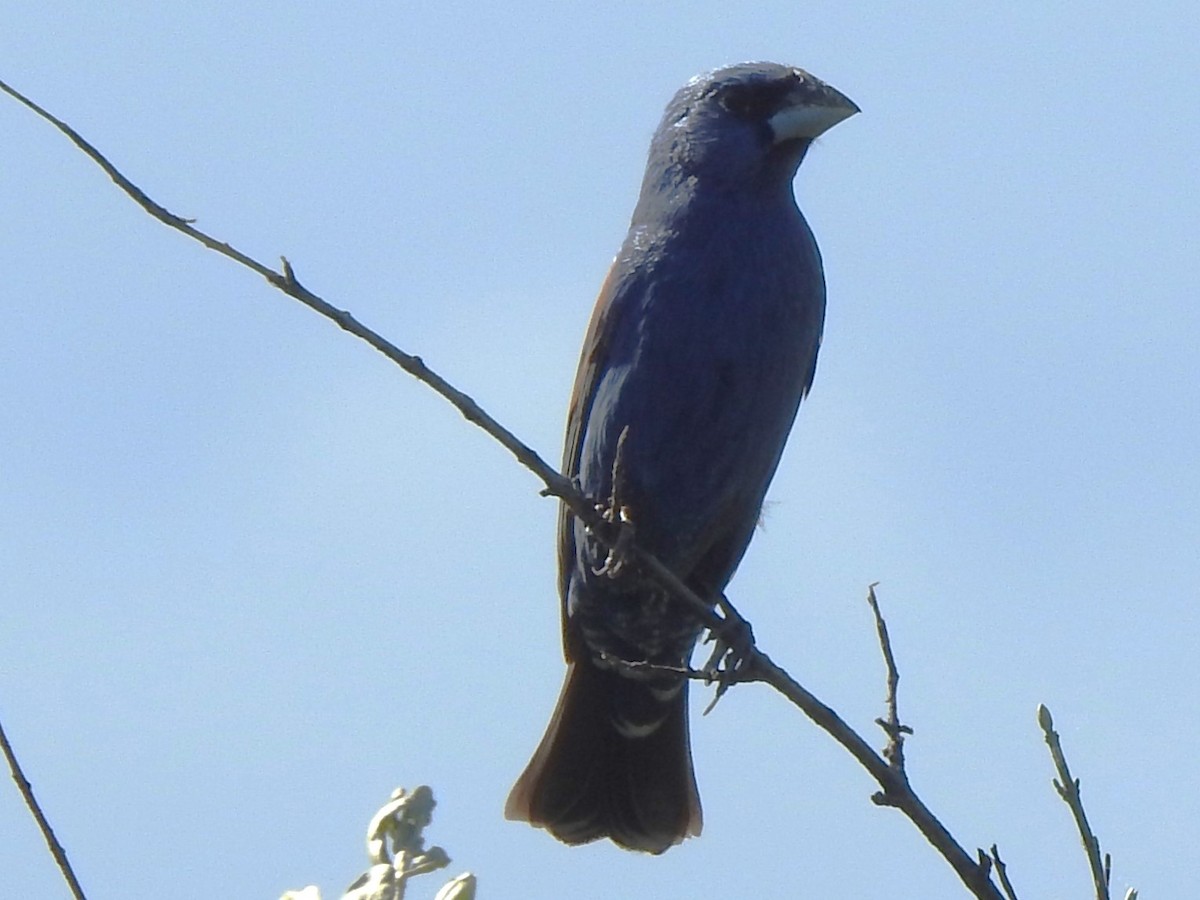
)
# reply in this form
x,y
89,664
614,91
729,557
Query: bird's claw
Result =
x,y
730,658
618,552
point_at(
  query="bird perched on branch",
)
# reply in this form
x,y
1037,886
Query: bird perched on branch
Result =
x,y
702,344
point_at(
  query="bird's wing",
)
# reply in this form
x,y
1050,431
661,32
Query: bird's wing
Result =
x,y
592,364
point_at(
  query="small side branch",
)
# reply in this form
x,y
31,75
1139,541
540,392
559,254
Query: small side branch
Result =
x,y
894,751
1002,873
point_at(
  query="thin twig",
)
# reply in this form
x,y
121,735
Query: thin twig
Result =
x,y
26,789
1068,789
752,663
894,751
1002,874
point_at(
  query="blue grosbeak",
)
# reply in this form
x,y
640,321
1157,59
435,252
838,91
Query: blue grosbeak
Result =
x,y
702,344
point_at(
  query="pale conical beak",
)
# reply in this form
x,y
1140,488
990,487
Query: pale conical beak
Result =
x,y
813,108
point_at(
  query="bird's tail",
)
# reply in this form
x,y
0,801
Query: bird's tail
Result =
x,y
615,762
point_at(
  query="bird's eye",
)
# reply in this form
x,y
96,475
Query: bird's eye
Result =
x,y
743,101
756,100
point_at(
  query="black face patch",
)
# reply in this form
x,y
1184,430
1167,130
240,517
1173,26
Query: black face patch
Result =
x,y
756,100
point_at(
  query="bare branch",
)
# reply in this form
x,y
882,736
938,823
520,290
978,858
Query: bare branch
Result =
x,y
26,789
744,662
1068,789
894,751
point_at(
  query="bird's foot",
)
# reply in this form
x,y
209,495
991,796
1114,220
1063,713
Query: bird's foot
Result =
x,y
618,552
731,658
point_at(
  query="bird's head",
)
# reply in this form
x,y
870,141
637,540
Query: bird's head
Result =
x,y
745,124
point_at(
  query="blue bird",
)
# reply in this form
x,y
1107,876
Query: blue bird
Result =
x,y
701,346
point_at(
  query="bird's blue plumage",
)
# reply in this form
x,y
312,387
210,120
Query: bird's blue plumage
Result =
x,y
703,342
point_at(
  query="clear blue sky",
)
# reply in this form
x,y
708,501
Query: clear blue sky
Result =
x,y
252,576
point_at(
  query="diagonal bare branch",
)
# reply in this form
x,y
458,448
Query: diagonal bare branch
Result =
x,y
753,664
26,789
